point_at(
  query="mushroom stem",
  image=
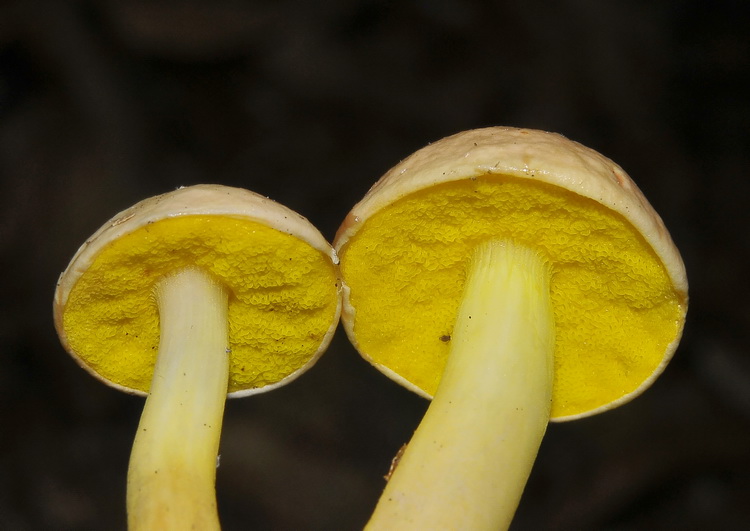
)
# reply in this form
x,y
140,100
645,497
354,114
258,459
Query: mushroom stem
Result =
x,y
172,473
468,462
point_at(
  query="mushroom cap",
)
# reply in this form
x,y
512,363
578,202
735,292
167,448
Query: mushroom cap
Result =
x,y
618,285
279,271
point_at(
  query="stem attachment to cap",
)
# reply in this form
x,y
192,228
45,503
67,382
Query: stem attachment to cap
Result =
x,y
469,460
172,473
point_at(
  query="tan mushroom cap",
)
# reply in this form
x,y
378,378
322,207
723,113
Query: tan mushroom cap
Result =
x,y
619,286
279,270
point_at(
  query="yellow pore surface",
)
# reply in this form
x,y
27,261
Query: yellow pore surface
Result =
x,y
282,298
614,306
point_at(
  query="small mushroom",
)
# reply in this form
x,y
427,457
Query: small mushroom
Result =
x,y
513,276
188,297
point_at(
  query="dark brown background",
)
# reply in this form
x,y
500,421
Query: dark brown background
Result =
x,y
105,103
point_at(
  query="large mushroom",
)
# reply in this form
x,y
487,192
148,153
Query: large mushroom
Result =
x,y
513,276
190,297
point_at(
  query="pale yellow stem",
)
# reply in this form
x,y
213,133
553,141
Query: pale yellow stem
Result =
x,y
172,473
469,460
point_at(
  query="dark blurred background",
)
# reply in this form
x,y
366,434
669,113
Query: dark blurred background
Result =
x,y
105,103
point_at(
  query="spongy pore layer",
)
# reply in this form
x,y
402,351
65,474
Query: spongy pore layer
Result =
x,y
615,309
282,299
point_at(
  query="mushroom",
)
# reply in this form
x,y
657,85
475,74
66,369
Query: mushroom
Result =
x,y
514,277
190,297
